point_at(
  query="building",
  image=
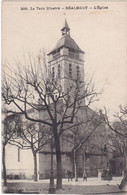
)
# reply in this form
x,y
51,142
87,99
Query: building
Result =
x,y
66,60
16,160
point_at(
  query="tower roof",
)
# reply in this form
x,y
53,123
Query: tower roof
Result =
x,y
65,25
68,42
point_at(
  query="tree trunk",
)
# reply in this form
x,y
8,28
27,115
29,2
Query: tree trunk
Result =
x,y
125,155
59,163
4,166
35,166
75,166
125,168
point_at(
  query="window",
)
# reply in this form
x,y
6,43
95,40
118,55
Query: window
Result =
x,y
53,72
58,70
70,70
78,72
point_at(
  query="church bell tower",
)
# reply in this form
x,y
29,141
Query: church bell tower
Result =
x,y
66,60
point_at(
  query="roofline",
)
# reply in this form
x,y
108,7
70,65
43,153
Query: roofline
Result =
x,y
81,51
66,28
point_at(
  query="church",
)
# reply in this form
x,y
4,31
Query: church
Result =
x,y
66,59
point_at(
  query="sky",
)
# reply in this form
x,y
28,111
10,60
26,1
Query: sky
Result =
x,y
100,33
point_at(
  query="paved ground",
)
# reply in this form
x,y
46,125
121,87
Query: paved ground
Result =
x,y
92,186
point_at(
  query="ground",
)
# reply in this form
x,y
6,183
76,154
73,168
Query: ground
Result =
x,y
92,186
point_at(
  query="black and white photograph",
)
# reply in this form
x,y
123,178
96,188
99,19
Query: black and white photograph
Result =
x,y
64,98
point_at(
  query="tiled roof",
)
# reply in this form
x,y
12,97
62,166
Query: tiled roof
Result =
x,y
68,42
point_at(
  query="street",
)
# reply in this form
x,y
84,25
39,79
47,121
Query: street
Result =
x,y
91,186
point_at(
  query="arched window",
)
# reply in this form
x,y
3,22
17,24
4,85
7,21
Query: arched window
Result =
x,y
70,70
59,71
53,72
78,72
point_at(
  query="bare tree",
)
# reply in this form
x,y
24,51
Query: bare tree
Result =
x,y
10,124
83,131
32,136
29,88
119,129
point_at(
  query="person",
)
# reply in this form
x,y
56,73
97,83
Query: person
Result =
x,y
69,175
99,174
84,175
